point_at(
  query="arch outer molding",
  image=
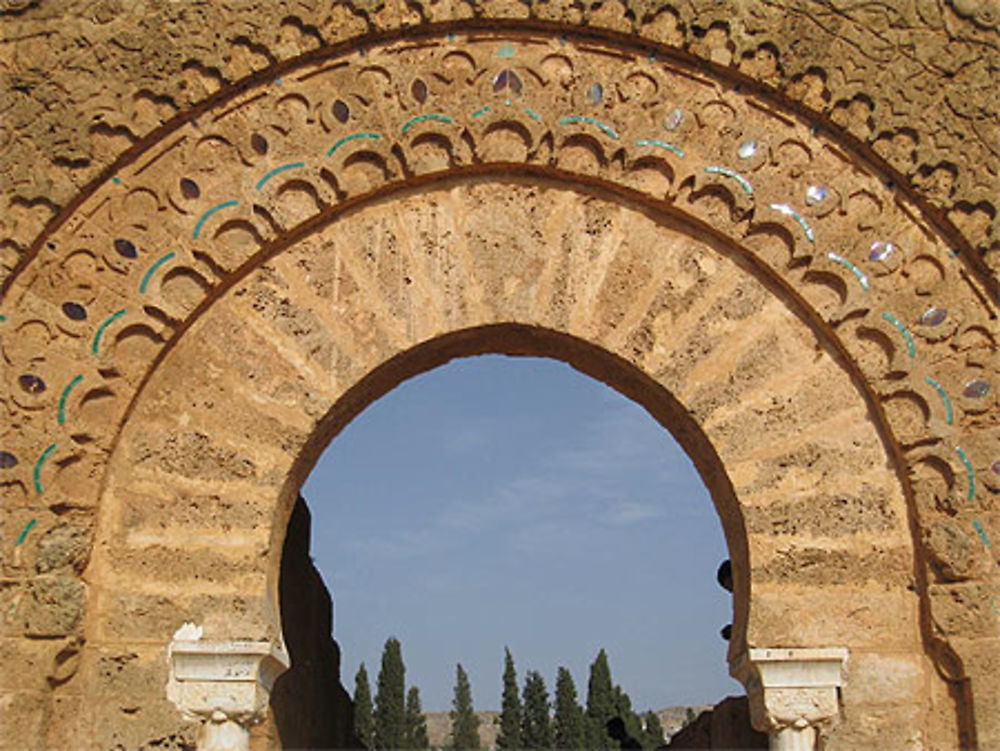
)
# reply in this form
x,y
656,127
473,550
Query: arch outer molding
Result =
x,y
133,274
912,82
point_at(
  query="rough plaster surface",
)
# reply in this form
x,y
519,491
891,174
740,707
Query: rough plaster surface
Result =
x,y
222,343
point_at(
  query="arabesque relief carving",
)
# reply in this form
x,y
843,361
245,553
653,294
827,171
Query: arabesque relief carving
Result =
x,y
873,71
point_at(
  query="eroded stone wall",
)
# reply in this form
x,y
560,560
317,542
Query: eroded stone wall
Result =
x,y
309,706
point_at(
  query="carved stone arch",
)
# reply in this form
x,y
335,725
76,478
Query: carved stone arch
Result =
x,y
96,320
249,396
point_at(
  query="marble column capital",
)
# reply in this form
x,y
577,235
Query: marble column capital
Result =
x,y
225,684
792,692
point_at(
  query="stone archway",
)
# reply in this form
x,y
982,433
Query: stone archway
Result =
x,y
679,214
250,396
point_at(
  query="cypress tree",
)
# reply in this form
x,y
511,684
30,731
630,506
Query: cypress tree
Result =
x,y
594,735
390,712
464,722
364,723
416,723
652,734
600,704
623,709
536,728
510,710
568,720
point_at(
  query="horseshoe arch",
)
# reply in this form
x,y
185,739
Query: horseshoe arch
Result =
x,y
182,345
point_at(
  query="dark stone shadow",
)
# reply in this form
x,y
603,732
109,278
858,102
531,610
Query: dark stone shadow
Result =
x,y
311,709
724,726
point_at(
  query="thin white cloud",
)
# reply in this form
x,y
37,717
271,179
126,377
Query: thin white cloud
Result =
x,y
572,489
578,479
395,545
619,438
623,513
550,537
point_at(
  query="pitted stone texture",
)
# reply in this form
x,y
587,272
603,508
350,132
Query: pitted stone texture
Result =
x,y
54,606
65,545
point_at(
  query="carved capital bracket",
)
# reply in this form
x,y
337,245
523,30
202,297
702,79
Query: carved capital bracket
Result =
x,y
225,685
792,692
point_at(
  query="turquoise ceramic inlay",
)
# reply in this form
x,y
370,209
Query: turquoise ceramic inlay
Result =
x,y
743,182
38,467
604,127
3,319
100,330
953,253
65,395
969,472
506,50
421,118
277,171
784,208
152,270
24,532
865,284
978,526
660,145
353,137
532,114
116,180
949,413
481,111
207,214
910,346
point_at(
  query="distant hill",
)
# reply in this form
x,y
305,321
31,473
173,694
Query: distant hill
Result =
x,y
439,724
439,728
674,718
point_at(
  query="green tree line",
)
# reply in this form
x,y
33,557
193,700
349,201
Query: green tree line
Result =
x,y
528,718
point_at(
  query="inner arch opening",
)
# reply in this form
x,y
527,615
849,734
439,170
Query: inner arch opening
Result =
x,y
630,526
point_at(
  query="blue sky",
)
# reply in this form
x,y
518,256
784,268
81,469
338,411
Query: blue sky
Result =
x,y
500,501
